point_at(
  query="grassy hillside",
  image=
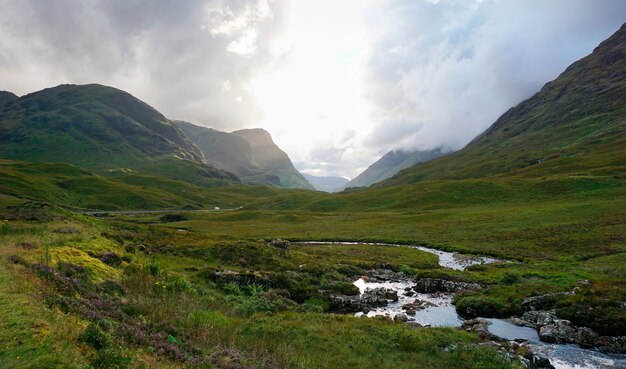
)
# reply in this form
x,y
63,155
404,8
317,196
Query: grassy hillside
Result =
x,y
71,186
98,128
228,152
271,159
576,125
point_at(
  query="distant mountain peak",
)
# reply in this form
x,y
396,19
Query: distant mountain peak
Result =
x,y
249,153
391,163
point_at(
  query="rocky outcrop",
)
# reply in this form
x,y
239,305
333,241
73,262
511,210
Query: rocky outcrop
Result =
x,y
554,330
281,244
384,275
369,300
415,306
432,285
479,326
515,350
559,331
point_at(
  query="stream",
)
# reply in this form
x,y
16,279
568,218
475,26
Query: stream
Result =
x,y
440,312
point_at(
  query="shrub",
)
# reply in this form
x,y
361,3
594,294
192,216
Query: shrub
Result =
x,y
173,218
471,306
345,288
94,337
510,278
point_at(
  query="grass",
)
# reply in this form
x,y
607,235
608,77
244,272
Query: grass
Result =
x,y
164,294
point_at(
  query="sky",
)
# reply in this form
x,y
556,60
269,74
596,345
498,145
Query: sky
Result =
x,y
337,83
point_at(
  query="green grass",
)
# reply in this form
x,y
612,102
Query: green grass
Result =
x,y
167,287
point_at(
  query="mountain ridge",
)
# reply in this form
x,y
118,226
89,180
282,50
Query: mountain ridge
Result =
x,y
391,163
102,129
251,154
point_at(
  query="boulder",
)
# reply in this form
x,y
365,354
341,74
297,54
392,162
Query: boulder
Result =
x,y
386,293
385,275
479,325
542,302
401,318
540,317
560,331
369,300
416,305
432,285
281,244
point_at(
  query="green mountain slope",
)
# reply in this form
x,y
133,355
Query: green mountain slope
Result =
x,y
269,157
390,164
250,153
98,128
68,185
575,125
228,152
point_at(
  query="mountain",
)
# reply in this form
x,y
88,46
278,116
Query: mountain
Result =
x,y
102,129
325,183
6,97
390,164
228,152
575,125
251,154
271,159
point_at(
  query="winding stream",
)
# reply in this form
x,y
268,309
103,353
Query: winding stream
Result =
x,y
441,313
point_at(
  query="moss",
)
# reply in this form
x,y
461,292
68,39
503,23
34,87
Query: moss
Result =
x,y
98,271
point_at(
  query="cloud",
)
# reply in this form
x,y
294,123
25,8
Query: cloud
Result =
x,y
448,69
337,83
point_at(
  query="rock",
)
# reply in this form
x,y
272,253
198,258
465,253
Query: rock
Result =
x,y
561,331
523,323
542,302
369,300
431,285
385,275
479,325
539,317
586,337
539,362
386,293
281,244
416,305
409,294
401,318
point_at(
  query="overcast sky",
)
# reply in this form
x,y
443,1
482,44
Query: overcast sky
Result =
x,y
337,82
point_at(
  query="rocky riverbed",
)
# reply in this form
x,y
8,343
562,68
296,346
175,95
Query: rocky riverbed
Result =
x,y
538,338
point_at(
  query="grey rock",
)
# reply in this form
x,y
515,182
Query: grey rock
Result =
x,y
281,244
539,317
401,318
431,285
560,331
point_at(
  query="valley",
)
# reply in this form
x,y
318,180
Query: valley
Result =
x,y
131,240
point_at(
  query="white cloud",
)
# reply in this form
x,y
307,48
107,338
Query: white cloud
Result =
x,y
338,83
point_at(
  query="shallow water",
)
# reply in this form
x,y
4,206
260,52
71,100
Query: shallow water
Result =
x,y
561,356
441,314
